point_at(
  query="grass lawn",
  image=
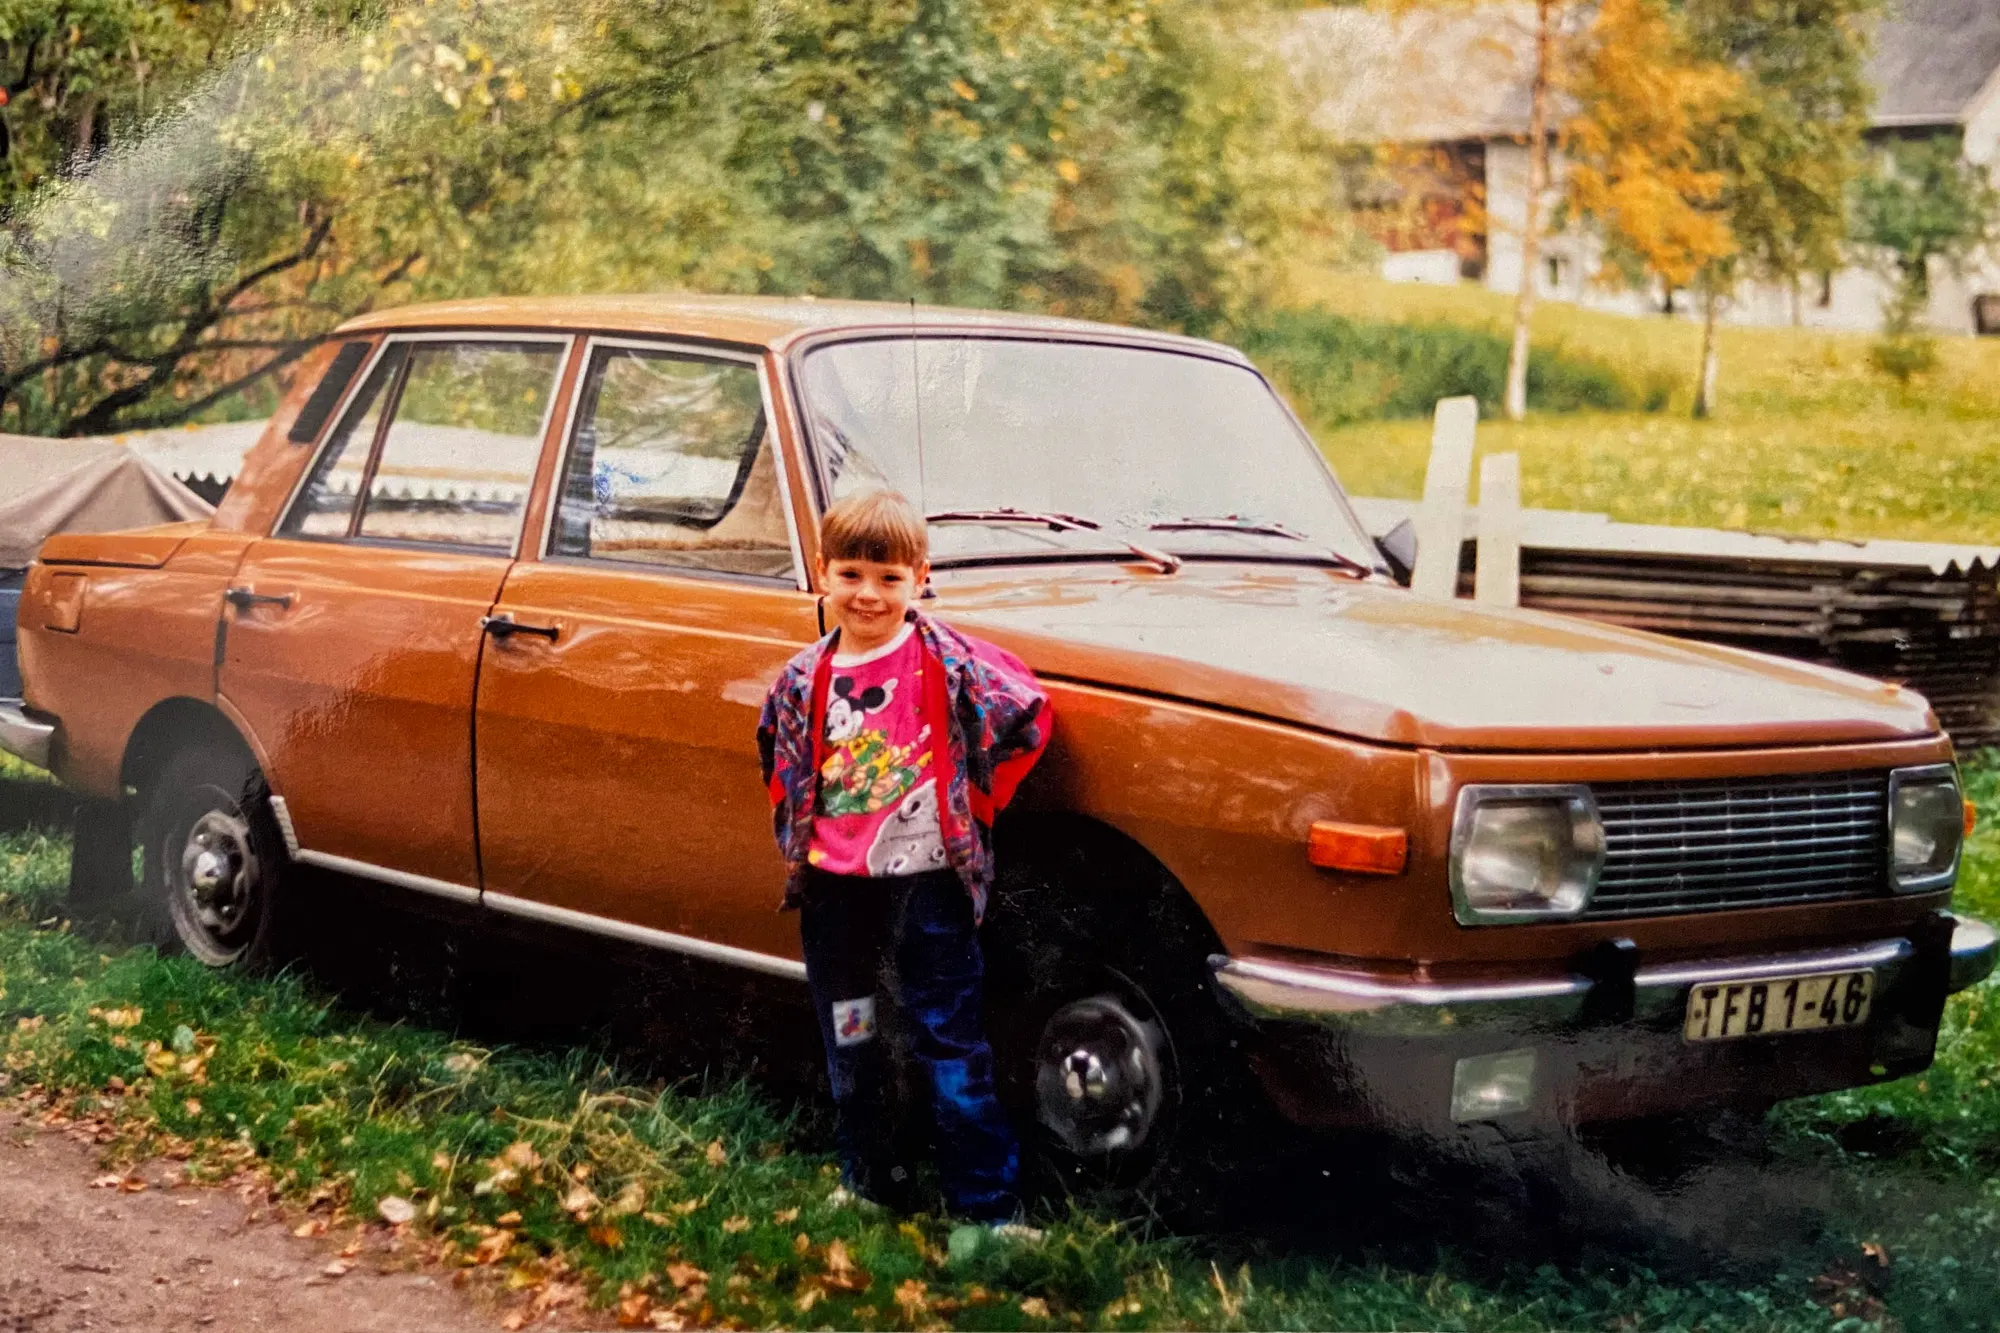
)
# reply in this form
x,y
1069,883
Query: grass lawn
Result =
x,y
556,1177
1808,437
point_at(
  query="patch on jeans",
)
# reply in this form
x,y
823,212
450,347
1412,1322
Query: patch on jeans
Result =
x,y
853,1021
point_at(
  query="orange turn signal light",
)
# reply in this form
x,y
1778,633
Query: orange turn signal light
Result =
x,y
1366,849
1971,817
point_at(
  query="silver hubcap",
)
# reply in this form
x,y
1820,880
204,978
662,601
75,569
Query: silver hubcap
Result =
x,y
218,872
1099,1076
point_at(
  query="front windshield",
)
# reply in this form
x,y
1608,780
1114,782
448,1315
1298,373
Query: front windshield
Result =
x,y
1129,437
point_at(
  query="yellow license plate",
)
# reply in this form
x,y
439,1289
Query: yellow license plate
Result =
x,y
1724,1009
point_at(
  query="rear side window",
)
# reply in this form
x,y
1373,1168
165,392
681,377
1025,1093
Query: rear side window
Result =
x,y
339,373
671,464
325,508
439,446
459,456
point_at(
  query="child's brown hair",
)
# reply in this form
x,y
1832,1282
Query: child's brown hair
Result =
x,y
878,525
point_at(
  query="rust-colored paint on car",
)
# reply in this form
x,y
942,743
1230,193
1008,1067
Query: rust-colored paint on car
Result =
x,y
149,636
1214,717
739,321
643,713
1315,648
140,548
359,693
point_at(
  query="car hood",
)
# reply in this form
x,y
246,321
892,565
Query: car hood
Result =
x,y
1372,661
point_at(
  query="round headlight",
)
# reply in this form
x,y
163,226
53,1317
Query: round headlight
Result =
x,y
1524,853
1926,827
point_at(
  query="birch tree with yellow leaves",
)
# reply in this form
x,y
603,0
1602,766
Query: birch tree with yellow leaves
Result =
x,y
1646,104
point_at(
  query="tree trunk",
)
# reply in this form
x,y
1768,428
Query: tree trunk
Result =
x,y
1516,402
1704,393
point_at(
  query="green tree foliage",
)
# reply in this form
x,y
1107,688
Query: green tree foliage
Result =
x,y
316,166
1131,160
72,70
1785,144
1924,205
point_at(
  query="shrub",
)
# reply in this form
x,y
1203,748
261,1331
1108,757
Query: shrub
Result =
x,y
1902,354
1341,370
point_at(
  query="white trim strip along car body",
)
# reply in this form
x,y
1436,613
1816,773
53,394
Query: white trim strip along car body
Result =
x,y
528,909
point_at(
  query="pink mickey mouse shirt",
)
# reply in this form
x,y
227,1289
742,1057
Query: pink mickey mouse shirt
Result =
x,y
877,813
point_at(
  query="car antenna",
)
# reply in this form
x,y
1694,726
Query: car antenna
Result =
x,y
917,398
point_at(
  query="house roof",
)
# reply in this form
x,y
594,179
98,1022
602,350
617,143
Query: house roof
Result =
x,y
1454,73
1420,76
1932,58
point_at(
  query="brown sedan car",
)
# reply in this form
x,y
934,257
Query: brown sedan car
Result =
x,y
490,611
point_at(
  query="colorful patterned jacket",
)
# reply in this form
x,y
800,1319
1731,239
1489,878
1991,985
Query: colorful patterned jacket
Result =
x,y
975,692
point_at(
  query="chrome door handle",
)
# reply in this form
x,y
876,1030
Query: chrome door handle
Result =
x,y
243,599
504,626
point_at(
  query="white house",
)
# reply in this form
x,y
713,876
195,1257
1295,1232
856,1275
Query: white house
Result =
x,y
1446,91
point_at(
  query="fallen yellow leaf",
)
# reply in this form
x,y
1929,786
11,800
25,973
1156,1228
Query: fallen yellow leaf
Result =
x,y
492,1248
684,1275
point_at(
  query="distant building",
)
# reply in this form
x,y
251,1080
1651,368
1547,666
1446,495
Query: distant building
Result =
x,y
1445,94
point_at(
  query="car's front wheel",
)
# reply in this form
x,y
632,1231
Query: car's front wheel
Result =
x,y
1111,1051
212,860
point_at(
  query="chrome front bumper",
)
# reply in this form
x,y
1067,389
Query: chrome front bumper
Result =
x,y
25,733
1356,1001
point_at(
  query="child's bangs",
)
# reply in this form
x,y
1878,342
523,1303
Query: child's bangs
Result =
x,y
879,526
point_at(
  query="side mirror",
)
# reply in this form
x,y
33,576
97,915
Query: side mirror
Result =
x,y
1399,550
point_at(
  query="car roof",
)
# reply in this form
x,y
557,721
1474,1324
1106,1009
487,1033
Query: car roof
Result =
x,y
765,321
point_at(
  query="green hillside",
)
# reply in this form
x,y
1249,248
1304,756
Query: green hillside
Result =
x,y
1809,438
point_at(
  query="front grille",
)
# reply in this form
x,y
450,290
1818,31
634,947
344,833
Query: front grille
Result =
x,y
1702,846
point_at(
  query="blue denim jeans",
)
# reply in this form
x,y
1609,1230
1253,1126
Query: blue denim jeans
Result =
x,y
895,969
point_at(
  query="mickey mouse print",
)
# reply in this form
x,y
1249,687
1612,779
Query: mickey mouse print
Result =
x,y
877,812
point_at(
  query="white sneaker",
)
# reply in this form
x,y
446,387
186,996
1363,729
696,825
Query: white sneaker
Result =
x,y
1016,1231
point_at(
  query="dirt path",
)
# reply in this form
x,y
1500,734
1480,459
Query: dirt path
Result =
x,y
76,1255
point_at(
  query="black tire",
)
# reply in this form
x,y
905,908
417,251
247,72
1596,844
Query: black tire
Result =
x,y
1112,1054
101,883
212,880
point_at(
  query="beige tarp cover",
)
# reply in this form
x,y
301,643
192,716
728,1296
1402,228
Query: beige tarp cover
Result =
x,y
49,486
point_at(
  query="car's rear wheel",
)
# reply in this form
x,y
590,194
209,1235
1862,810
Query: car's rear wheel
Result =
x,y
213,863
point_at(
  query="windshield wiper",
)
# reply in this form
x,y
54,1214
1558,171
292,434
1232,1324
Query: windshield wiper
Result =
x,y
1055,522
1259,528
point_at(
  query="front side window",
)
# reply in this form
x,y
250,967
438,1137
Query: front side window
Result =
x,y
1186,452
671,464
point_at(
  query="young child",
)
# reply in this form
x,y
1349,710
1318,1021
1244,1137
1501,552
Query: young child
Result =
x,y
888,747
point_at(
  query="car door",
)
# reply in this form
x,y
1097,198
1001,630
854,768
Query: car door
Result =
x,y
618,784
352,635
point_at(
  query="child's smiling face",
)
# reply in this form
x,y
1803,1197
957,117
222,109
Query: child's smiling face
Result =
x,y
867,599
